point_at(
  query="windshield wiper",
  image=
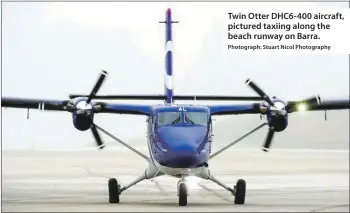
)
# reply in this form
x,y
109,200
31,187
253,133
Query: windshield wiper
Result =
x,y
177,120
189,120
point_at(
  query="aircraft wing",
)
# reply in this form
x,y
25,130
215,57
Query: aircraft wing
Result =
x,y
234,109
254,108
132,109
41,104
175,97
61,105
328,105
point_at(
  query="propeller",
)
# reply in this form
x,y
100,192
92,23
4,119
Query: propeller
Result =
x,y
97,86
86,109
281,109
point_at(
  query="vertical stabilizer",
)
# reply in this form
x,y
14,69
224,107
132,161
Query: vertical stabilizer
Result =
x,y
168,75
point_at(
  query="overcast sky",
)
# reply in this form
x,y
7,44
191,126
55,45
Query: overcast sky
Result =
x,y
53,49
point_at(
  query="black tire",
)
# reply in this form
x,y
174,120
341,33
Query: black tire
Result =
x,y
182,194
114,190
240,190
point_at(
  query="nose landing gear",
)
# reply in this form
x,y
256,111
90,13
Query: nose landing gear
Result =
x,y
182,192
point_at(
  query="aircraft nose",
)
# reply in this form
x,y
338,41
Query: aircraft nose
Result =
x,y
182,146
182,156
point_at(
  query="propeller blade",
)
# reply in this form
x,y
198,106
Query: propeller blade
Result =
x,y
97,137
257,89
268,140
97,86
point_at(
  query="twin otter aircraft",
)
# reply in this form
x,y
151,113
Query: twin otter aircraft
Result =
x,y
179,136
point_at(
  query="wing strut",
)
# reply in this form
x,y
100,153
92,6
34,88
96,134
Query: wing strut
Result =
x,y
238,140
120,141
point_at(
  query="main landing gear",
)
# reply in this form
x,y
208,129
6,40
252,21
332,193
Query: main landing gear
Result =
x,y
238,190
114,190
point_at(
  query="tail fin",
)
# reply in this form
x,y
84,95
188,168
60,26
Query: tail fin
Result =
x,y
168,87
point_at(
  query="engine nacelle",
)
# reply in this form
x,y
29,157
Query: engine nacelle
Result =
x,y
84,115
277,116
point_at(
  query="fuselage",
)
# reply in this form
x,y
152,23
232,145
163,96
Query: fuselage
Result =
x,y
179,136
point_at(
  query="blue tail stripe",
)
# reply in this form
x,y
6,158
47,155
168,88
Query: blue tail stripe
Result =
x,y
169,63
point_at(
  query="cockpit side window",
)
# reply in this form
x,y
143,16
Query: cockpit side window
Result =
x,y
154,121
165,118
196,118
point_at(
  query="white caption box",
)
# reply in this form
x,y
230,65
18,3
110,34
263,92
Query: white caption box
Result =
x,y
316,31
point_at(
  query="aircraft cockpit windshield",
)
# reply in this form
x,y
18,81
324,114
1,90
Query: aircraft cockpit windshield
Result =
x,y
184,118
165,118
197,118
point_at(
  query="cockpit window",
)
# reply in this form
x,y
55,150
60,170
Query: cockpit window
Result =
x,y
198,118
165,118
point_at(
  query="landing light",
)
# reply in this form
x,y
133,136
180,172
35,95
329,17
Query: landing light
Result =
x,y
302,107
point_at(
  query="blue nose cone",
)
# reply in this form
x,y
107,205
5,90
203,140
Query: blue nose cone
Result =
x,y
182,155
183,146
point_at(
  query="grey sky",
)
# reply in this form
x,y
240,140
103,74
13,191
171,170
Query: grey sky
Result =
x,y
53,49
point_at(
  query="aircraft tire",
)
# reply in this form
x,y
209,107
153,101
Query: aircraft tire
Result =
x,y
182,194
114,190
240,190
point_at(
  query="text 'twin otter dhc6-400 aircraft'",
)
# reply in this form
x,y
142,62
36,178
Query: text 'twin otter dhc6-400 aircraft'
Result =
x,y
179,136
